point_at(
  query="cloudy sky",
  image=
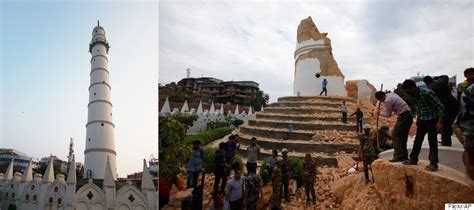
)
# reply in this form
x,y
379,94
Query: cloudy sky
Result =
x,y
382,41
45,66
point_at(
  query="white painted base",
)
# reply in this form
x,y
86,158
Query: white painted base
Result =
x,y
306,83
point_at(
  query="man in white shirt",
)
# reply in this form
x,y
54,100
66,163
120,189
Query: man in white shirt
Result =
x,y
394,103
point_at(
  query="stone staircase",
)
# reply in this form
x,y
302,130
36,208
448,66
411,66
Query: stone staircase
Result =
x,y
317,128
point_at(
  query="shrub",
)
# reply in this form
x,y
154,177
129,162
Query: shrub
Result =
x,y
208,136
208,164
295,166
216,124
237,122
186,119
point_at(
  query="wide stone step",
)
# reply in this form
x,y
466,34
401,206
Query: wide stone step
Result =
x,y
300,146
300,110
329,161
302,126
299,118
274,133
310,104
315,98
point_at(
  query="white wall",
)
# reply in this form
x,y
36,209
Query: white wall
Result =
x,y
308,85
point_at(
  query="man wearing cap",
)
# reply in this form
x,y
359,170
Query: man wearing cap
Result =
x,y
194,165
285,175
368,148
276,185
394,103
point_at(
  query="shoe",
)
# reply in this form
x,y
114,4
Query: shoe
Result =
x,y
396,160
431,167
409,162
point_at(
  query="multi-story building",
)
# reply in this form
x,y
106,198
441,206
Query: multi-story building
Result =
x,y
20,159
209,89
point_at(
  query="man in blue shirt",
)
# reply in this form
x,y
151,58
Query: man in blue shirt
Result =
x,y
235,190
194,165
324,85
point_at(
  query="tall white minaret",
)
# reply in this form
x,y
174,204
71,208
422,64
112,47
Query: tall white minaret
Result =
x,y
100,138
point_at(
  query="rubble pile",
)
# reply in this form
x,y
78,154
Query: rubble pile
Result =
x,y
312,120
399,186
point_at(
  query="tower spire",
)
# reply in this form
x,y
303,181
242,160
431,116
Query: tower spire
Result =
x,y
98,23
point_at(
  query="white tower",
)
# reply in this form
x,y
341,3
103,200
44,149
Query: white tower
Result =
x,y
100,138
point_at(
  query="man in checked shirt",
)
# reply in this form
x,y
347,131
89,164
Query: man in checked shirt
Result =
x,y
429,111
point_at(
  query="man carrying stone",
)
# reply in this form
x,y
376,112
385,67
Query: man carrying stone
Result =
x,y
344,112
440,85
276,185
235,190
394,103
429,110
324,85
285,173
359,115
309,175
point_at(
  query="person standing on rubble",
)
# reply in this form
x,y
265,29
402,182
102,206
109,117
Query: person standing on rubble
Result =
x,y
324,85
359,115
368,147
429,120
285,173
309,175
276,185
394,103
344,112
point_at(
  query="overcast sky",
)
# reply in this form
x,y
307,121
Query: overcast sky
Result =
x,y
45,66
382,41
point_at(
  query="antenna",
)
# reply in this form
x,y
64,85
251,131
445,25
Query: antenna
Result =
x,y
188,73
98,23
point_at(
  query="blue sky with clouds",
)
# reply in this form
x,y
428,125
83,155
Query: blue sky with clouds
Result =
x,y
382,41
45,76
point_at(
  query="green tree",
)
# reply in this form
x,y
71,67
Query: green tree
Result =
x,y
172,152
260,100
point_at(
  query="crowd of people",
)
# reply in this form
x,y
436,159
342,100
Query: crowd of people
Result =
x,y
437,111
245,191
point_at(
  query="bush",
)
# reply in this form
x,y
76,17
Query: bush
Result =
x,y
237,122
295,166
186,119
216,124
208,164
208,136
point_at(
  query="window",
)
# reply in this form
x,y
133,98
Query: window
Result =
x,y
56,189
50,200
89,139
34,197
60,201
102,124
27,197
95,94
32,187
